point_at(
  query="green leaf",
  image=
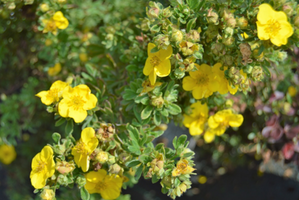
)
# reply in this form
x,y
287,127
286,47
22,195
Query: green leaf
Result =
x,y
193,4
155,29
86,76
84,194
129,94
91,70
138,172
146,112
95,50
164,112
154,50
159,146
174,109
181,140
134,149
60,121
157,118
174,142
69,127
134,134
155,179
266,70
191,24
131,68
132,163
56,137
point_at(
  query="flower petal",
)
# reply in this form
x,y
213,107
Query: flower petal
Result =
x,y
78,115
152,77
198,93
189,83
87,134
261,31
188,120
266,13
63,108
91,102
236,120
148,68
209,136
196,127
163,69
165,53
46,153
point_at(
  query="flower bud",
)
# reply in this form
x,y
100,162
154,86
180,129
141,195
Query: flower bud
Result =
x,y
115,169
211,32
231,22
153,13
257,73
287,9
50,109
228,41
177,35
188,48
242,22
232,72
179,73
83,57
102,157
111,160
81,181
212,17
145,24
162,41
282,55
292,91
157,101
64,167
193,36
62,180
47,194
44,7
227,60
166,12
217,49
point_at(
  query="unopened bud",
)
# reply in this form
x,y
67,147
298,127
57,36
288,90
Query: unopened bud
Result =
x,y
231,22
64,167
158,101
166,12
153,13
287,9
242,22
212,17
177,35
257,73
81,181
44,7
228,41
115,169
102,157
162,41
193,36
47,194
217,49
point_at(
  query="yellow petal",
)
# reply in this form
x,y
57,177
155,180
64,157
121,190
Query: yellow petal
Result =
x,y
87,134
236,120
266,13
198,93
46,153
165,53
261,32
113,188
63,108
212,122
196,127
96,177
232,90
188,120
163,69
84,163
148,68
195,74
59,84
150,46
91,102
152,77
38,180
78,115
189,83
44,98
209,136
35,161
219,130
91,187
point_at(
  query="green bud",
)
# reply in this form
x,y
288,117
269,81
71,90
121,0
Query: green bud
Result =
x,y
211,32
257,73
50,109
228,41
212,17
242,22
228,32
288,9
109,37
231,22
115,169
81,181
145,24
193,36
179,73
177,35
227,60
111,160
162,41
153,13
157,101
62,180
282,55
102,157
47,194
232,72
166,12
217,49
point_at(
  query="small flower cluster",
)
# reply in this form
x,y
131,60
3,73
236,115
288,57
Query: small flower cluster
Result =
x,y
198,122
71,102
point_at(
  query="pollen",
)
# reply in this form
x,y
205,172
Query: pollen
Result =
x,y
76,102
155,61
273,27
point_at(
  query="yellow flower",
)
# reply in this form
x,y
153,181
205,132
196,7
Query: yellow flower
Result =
x,y
244,35
219,122
47,194
75,103
57,21
54,94
273,25
158,63
109,186
200,82
84,147
43,167
292,91
64,167
209,136
52,71
7,154
196,121
182,167
147,87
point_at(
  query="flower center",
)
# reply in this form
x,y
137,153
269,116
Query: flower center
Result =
x,y
101,186
273,27
76,102
81,148
203,79
155,61
40,167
